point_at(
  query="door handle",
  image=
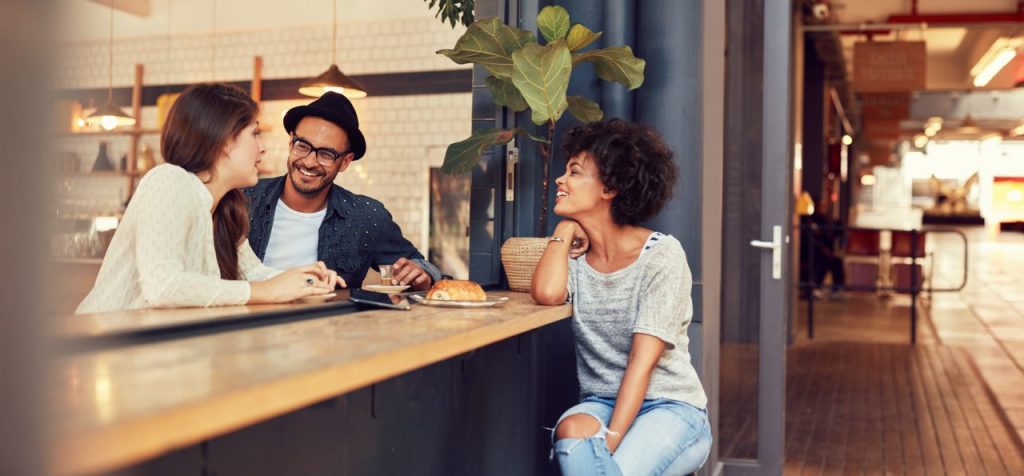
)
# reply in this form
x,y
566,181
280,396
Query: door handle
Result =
x,y
776,246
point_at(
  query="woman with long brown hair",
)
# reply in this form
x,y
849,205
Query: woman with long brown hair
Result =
x,y
182,241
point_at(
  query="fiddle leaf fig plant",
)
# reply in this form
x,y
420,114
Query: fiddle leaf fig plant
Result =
x,y
528,75
453,11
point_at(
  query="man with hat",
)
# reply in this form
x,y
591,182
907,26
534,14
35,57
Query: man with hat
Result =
x,y
303,216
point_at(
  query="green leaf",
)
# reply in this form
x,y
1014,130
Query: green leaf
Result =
x,y
616,64
462,157
489,43
581,36
541,73
584,109
506,94
451,10
553,23
536,138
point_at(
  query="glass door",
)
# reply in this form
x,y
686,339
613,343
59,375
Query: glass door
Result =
x,y
755,269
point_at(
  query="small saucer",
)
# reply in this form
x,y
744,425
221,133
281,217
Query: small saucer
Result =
x,y
380,288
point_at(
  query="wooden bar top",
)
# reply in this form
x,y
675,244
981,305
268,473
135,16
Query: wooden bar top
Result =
x,y
107,324
121,406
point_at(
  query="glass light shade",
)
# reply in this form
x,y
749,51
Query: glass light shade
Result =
x,y
332,80
110,116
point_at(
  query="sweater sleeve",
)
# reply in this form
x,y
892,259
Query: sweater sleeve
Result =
x,y
252,268
167,209
665,306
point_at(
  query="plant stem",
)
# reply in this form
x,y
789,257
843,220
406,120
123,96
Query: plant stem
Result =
x,y
546,152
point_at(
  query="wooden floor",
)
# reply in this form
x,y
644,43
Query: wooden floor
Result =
x,y
865,408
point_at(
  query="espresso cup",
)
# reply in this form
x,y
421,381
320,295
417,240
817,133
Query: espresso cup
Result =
x,y
386,275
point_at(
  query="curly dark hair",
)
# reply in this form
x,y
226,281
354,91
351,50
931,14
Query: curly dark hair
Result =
x,y
633,161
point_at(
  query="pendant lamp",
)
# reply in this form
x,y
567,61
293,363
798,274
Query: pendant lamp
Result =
x,y
333,79
110,116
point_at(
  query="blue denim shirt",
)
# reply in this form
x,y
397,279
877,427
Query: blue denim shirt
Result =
x,y
357,232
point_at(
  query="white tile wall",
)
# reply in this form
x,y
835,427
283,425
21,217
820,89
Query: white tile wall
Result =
x,y
363,48
403,133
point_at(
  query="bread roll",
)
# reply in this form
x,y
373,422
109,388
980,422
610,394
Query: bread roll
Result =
x,y
456,290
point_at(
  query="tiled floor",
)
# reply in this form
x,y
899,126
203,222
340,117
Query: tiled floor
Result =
x,y
863,408
984,321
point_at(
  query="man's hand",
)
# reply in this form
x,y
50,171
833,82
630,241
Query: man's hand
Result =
x,y
408,272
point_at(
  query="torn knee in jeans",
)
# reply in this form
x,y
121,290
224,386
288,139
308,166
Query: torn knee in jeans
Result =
x,y
576,429
580,425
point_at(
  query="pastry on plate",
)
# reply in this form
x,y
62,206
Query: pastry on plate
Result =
x,y
456,290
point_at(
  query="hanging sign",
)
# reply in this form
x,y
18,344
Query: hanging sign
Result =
x,y
889,66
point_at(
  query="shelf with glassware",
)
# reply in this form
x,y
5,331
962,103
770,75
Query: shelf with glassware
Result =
x,y
130,166
88,207
91,200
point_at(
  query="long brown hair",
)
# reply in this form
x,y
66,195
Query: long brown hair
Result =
x,y
198,127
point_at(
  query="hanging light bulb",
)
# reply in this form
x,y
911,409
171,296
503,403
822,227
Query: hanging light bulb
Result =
x,y
333,80
110,116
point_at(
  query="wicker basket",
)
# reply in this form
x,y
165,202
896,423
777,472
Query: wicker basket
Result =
x,y
520,257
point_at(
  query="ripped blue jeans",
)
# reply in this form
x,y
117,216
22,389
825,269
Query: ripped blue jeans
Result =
x,y
667,437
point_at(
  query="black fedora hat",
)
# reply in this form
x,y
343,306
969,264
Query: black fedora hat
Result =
x,y
333,107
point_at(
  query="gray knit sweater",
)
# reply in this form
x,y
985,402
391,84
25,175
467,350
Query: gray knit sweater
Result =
x,y
650,296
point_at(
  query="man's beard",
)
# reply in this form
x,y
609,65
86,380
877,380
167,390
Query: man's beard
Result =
x,y
302,187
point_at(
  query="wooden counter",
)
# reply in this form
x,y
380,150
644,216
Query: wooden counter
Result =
x,y
111,324
120,406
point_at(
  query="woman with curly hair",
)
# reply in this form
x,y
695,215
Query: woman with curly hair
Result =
x,y
642,409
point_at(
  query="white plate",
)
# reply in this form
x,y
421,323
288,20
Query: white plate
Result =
x,y
316,297
380,288
490,302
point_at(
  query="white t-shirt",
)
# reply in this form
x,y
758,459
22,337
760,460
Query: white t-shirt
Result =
x,y
293,238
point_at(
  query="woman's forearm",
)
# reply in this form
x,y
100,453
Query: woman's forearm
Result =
x,y
631,396
549,285
644,355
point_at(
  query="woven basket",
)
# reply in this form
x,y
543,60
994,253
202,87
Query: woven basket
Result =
x,y
520,257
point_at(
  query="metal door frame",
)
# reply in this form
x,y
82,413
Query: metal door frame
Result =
x,y
776,159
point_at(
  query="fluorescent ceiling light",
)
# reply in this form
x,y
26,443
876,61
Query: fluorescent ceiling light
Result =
x,y
998,56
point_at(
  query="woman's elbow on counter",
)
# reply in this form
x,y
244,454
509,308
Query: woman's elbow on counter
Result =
x,y
547,297
158,293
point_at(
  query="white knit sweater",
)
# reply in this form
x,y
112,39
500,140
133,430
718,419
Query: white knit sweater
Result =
x,y
162,254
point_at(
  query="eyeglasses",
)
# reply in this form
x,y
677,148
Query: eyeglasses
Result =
x,y
301,149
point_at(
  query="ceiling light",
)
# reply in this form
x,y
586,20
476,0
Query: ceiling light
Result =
x,y
968,126
920,141
110,115
992,139
998,56
932,126
333,79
